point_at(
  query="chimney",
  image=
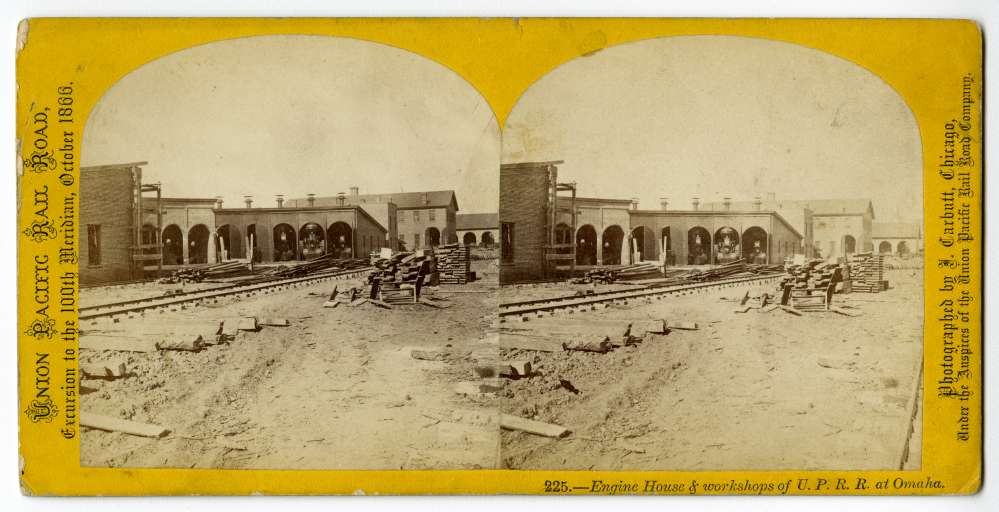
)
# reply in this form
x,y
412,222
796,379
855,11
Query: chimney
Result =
x,y
727,203
248,200
311,198
664,203
426,198
280,200
758,203
218,202
634,203
696,203
341,199
354,192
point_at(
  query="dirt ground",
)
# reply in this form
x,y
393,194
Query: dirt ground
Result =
x,y
337,389
751,391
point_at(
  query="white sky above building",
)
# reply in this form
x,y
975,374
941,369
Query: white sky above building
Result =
x,y
716,116
299,114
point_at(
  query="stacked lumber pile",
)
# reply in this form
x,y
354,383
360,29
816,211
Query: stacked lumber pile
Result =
x,y
867,270
453,263
398,280
812,275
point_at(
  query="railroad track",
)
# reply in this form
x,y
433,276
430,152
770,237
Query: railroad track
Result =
x,y
570,304
198,297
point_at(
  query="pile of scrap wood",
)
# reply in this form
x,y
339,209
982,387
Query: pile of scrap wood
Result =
x,y
453,263
812,274
323,263
867,273
400,278
809,286
609,275
199,274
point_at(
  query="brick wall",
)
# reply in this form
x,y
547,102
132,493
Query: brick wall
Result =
x,y
106,200
523,202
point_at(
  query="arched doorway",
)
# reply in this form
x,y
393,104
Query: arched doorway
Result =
x,y
433,237
230,242
849,244
698,246
902,249
884,247
586,245
312,240
488,240
645,243
727,245
613,240
285,243
468,239
173,245
197,244
754,245
340,240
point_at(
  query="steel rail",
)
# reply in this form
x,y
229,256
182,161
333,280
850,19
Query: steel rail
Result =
x,y
213,294
541,306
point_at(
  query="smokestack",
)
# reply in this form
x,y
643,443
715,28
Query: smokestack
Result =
x,y
664,203
634,203
341,199
727,203
758,203
218,202
354,192
248,200
311,198
696,203
280,200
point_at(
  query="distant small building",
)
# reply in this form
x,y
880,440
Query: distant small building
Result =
x,y
477,228
898,238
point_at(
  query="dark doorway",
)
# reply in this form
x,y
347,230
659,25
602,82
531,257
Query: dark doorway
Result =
x,y
586,245
285,243
340,240
197,244
613,239
698,246
754,245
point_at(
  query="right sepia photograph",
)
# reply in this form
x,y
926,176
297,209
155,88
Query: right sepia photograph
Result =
x,y
711,258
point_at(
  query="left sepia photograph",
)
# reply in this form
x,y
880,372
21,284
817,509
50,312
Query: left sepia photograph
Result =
x,y
289,260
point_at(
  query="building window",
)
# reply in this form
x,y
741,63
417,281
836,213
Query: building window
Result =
x,y
93,244
402,237
432,215
402,218
416,215
506,242
416,240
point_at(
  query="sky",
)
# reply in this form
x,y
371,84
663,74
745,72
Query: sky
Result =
x,y
295,115
716,116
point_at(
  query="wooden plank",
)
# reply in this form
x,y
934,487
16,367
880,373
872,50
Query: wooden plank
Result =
x,y
511,422
275,322
788,309
683,326
111,424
